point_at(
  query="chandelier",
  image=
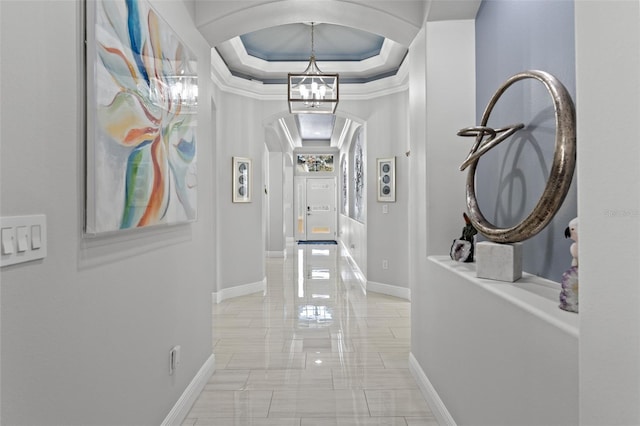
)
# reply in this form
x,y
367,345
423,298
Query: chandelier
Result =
x,y
312,91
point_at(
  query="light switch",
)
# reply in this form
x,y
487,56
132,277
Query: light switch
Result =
x,y
36,237
24,238
7,241
385,208
22,234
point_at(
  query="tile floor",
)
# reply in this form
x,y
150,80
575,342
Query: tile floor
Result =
x,y
314,350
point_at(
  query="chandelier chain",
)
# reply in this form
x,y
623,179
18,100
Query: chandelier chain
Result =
x,y
313,51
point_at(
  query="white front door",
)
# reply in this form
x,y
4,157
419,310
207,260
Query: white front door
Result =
x,y
316,215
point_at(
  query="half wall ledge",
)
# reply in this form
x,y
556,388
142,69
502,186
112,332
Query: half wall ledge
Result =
x,y
531,293
494,352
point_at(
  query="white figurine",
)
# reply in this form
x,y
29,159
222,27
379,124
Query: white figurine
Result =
x,y
572,232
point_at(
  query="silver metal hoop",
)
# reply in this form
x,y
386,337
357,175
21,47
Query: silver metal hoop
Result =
x,y
564,161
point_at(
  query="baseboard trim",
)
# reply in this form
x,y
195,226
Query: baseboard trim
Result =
x,y
240,290
181,409
438,408
277,254
390,290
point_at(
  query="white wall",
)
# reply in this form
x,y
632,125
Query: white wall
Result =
x,y
417,206
276,242
450,104
86,332
608,107
495,362
386,135
240,225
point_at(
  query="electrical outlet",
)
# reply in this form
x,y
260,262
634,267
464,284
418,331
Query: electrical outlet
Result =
x,y
385,264
174,359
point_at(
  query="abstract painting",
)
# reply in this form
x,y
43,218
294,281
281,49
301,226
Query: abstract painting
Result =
x,y
142,97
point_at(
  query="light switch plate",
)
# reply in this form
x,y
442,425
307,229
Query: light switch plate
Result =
x,y
25,241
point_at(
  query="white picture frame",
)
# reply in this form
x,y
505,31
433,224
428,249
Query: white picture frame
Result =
x,y
242,175
386,174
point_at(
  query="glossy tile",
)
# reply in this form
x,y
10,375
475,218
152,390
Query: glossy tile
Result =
x,y
382,344
318,345
393,403
238,404
401,332
354,421
269,360
395,359
233,345
421,421
290,379
236,332
221,360
245,421
349,360
313,349
317,403
373,378
228,380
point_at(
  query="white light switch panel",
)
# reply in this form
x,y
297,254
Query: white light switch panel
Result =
x,y
24,238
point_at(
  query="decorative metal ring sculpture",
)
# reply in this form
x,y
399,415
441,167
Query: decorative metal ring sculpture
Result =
x,y
564,161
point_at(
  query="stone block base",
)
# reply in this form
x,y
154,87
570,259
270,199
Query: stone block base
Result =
x,y
501,262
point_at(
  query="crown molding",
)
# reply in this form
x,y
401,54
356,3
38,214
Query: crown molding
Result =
x,y
226,82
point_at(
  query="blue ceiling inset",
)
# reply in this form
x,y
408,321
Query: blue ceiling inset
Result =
x,y
292,42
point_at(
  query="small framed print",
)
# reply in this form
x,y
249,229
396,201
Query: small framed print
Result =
x,y
387,179
241,180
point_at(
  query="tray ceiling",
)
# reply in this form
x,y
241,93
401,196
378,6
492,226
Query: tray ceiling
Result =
x,y
269,54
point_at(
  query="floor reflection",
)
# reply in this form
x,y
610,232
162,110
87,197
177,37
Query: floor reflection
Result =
x,y
315,349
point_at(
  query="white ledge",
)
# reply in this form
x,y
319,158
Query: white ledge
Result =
x,y
531,293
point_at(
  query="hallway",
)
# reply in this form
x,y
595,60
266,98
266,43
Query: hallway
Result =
x,y
314,350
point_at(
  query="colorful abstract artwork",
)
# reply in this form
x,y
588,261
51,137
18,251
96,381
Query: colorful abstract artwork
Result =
x,y
142,97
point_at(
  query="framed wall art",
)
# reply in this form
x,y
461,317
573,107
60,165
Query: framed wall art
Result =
x,y
344,185
241,180
314,163
358,179
386,179
141,105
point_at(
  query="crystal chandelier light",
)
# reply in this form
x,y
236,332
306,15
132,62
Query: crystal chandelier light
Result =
x,y
312,91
